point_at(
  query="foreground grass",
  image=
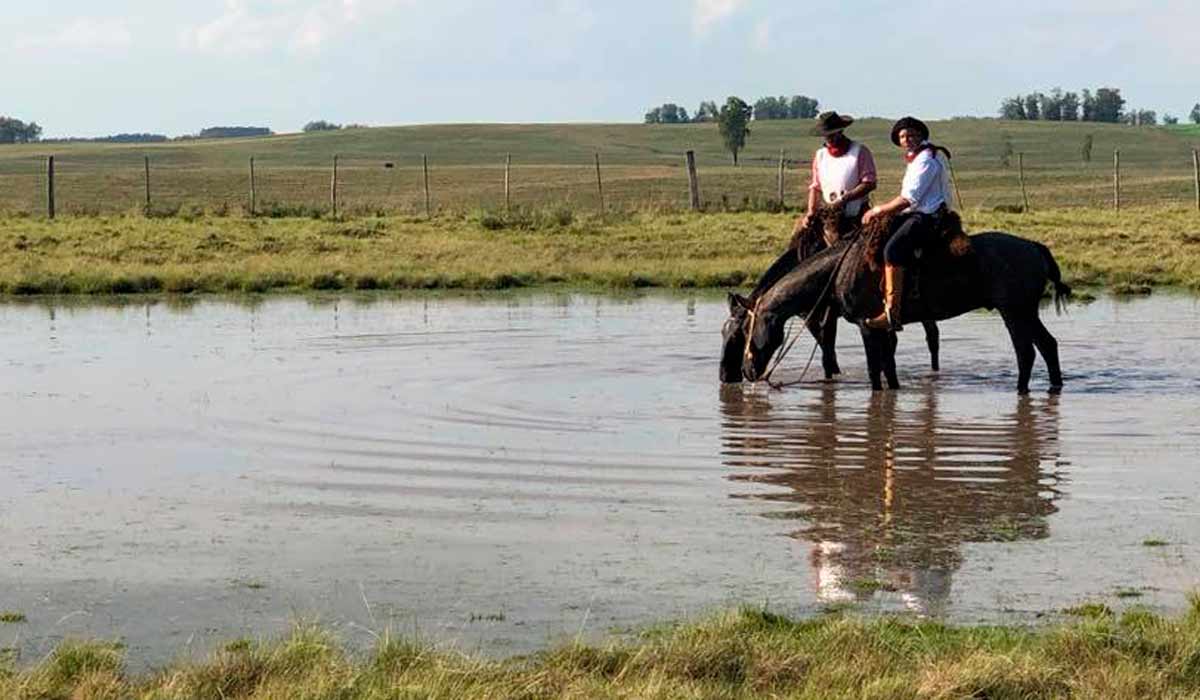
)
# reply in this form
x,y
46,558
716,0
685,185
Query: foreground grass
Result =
x,y
1130,251
746,654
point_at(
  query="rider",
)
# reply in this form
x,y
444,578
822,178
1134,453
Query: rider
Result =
x,y
843,174
924,198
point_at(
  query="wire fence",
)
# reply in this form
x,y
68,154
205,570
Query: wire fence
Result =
x,y
418,185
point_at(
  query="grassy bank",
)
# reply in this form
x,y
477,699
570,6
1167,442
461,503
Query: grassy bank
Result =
x,y
1131,251
747,654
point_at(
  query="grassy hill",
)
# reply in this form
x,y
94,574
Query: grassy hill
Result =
x,y
553,166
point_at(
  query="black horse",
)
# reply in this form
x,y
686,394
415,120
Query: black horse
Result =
x,y
1003,272
822,231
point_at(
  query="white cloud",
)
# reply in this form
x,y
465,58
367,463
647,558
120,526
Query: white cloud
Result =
x,y
706,13
82,33
250,26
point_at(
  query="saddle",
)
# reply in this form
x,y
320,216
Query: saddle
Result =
x,y
953,241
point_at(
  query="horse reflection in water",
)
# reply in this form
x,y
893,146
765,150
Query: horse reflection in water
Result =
x,y
888,496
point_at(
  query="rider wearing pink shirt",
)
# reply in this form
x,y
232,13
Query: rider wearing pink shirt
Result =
x,y
843,174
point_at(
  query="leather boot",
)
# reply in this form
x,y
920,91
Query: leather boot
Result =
x,y
893,291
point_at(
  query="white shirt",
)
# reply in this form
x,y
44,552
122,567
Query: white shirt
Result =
x,y
926,183
835,176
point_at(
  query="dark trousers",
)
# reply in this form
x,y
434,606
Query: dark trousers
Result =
x,y
911,232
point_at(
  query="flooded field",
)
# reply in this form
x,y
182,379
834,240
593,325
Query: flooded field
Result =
x,y
500,473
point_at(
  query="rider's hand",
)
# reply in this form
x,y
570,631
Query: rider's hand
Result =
x,y
872,213
803,222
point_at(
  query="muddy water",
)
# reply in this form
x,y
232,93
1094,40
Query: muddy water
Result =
x,y
502,473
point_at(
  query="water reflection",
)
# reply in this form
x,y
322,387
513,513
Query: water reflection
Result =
x,y
887,495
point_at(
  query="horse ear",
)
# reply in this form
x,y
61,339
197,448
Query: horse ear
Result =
x,y
737,301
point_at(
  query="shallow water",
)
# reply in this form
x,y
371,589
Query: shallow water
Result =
x,y
505,472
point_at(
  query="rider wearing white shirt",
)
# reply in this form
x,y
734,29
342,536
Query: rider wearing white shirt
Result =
x,y
924,197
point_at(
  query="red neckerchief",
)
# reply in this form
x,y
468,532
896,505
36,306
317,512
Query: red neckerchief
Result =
x,y
840,148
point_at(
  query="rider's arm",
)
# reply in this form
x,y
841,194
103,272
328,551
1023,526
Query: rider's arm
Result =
x,y
814,197
866,177
918,178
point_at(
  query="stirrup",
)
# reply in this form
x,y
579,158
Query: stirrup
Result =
x,y
884,322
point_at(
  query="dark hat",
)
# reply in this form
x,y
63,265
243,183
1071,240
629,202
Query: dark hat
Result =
x,y
909,123
829,123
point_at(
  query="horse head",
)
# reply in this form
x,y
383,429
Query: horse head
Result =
x,y
763,335
750,336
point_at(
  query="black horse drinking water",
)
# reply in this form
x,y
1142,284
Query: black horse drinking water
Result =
x,y
823,231
1002,271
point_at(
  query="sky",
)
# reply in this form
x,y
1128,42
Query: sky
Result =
x,y
84,68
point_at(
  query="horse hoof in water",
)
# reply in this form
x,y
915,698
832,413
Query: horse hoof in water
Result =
x,y
1056,388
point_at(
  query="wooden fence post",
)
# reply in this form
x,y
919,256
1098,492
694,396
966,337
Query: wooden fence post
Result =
x,y
147,163
333,187
425,167
1117,179
1021,177
507,171
50,187
693,182
253,192
1196,175
599,184
780,193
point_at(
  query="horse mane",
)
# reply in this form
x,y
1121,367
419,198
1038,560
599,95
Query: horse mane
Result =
x,y
810,240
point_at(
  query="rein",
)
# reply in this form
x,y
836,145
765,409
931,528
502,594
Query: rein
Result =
x,y
748,352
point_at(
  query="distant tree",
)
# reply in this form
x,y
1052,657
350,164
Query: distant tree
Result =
x,y
771,108
17,131
1069,107
1006,150
1085,152
1108,106
669,113
1052,105
733,123
1170,119
706,112
1087,107
1033,103
1140,117
226,132
321,125
802,107
1194,115
1013,108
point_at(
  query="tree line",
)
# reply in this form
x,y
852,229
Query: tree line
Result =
x,y
1103,105
794,107
17,131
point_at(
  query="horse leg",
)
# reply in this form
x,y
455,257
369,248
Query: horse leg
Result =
x,y
1020,330
826,336
888,345
1047,346
932,338
874,365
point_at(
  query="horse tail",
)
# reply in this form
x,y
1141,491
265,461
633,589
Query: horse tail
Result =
x,y
1062,292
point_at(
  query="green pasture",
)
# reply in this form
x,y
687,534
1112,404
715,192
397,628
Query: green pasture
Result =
x,y
1130,251
642,166
1090,652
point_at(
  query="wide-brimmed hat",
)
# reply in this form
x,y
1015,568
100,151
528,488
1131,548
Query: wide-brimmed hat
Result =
x,y
830,123
909,123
